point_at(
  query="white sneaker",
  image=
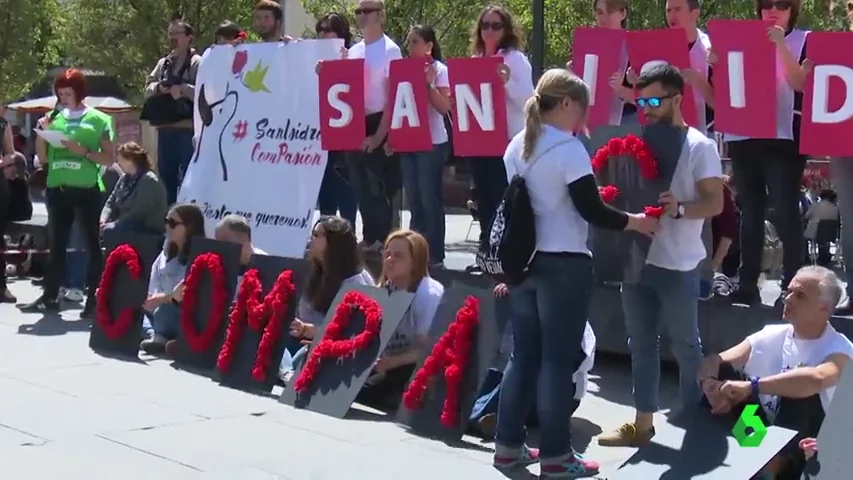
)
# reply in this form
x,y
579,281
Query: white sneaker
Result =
x,y
74,295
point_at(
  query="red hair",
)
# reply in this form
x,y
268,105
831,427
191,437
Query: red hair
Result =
x,y
73,79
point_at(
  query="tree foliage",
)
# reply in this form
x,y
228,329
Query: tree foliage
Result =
x,y
29,47
453,19
126,37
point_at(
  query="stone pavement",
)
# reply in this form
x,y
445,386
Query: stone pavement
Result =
x,y
66,412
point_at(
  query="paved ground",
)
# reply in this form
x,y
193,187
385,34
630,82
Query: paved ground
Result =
x,y
68,413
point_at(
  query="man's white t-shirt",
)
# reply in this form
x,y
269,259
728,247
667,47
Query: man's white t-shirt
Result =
x,y
559,226
377,59
774,350
678,243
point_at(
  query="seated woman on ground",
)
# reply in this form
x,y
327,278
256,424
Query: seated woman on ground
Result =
x,y
335,262
405,267
138,203
166,287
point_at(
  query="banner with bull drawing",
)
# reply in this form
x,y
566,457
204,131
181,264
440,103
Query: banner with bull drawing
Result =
x,y
257,131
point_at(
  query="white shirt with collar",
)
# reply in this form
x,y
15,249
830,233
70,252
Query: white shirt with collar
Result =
x,y
377,60
678,243
519,88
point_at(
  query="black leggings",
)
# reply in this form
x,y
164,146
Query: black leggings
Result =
x,y
388,390
63,205
803,415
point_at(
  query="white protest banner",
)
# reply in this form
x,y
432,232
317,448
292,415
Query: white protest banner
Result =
x,y
258,148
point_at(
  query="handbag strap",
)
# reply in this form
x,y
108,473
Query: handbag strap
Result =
x,y
537,157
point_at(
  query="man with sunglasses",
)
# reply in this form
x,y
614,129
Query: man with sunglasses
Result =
x,y
669,282
375,176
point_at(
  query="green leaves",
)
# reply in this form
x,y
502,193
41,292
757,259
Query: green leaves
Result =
x,y
29,48
254,78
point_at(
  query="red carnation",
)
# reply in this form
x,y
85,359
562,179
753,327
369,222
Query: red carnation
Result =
x,y
654,212
608,193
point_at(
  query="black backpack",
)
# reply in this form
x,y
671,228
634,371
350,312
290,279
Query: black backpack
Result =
x,y
512,239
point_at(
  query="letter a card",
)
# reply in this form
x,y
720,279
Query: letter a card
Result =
x,y
337,380
256,337
426,418
407,105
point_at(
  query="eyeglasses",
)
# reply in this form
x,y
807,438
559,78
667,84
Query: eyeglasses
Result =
x,y
366,11
781,5
171,222
494,26
651,102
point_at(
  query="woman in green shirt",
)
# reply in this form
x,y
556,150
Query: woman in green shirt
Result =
x,y
74,185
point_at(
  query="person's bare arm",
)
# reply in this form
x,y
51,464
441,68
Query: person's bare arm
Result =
x,y
710,199
439,98
804,382
41,152
105,156
8,141
736,356
722,250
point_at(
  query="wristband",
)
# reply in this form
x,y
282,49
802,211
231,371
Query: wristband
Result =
x,y
754,384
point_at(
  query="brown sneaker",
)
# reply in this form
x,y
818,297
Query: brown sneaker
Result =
x,y
626,436
487,425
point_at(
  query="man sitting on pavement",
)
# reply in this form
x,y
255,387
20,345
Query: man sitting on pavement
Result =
x,y
790,370
234,228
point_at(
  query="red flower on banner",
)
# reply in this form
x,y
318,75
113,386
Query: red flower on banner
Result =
x,y
240,59
608,193
630,145
637,148
212,263
451,353
262,315
122,255
331,346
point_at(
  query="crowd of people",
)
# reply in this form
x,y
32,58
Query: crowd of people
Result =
x,y
791,370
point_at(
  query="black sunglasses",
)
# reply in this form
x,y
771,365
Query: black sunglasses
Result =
x,y
171,222
651,102
366,11
781,5
495,26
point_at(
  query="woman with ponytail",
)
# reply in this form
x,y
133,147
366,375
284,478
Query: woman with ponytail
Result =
x,y
549,308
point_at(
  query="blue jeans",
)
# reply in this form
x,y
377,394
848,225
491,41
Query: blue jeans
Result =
x,y
671,298
842,179
293,361
174,151
76,261
335,191
422,173
490,182
549,312
163,321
